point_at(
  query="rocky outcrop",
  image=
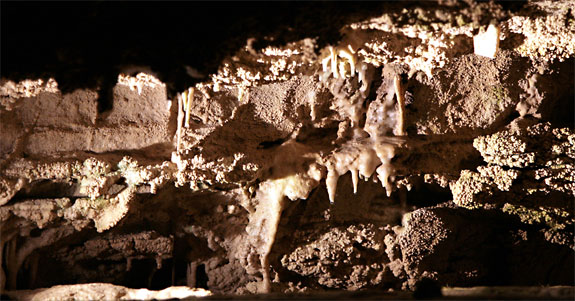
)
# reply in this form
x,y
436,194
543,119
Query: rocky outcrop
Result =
x,y
460,247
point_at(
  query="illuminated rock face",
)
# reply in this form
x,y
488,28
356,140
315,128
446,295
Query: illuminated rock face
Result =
x,y
392,155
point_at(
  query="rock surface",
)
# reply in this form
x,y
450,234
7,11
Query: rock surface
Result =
x,y
391,156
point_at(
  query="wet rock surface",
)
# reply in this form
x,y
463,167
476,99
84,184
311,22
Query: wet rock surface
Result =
x,y
381,158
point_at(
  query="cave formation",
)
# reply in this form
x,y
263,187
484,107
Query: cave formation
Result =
x,y
185,149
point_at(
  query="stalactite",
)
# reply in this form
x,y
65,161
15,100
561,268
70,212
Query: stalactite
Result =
x,y
180,119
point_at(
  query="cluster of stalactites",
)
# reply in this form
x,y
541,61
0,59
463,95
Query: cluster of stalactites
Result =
x,y
362,159
343,63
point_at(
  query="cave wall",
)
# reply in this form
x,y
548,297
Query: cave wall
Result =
x,y
378,154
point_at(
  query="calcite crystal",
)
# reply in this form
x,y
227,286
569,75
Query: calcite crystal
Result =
x,y
391,156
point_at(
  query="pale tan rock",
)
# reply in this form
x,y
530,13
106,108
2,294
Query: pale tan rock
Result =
x,y
105,291
487,43
139,100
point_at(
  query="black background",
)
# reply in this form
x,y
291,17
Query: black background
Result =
x,y
83,44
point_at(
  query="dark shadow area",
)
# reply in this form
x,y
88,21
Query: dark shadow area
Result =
x,y
565,115
201,277
426,195
142,274
86,44
559,91
162,277
45,189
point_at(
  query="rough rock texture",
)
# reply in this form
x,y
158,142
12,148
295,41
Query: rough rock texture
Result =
x,y
540,159
387,157
460,247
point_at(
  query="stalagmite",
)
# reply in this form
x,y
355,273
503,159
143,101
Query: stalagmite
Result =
x,y
191,270
129,263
